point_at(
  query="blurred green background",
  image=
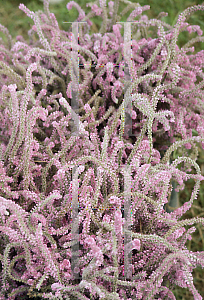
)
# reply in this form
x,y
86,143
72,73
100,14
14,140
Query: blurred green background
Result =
x,y
18,23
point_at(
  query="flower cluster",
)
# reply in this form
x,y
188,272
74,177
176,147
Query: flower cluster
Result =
x,y
74,180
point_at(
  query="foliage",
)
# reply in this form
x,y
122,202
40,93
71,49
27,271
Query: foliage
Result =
x,y
40,155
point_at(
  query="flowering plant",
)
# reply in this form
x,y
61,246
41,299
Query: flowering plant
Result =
x,y
56,155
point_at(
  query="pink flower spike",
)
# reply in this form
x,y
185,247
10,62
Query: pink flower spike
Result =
x,y
136,244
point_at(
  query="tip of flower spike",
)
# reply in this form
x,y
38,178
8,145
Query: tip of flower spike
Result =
x,y
56,286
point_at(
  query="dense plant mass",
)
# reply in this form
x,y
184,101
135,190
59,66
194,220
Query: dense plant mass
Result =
x,y
41,158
